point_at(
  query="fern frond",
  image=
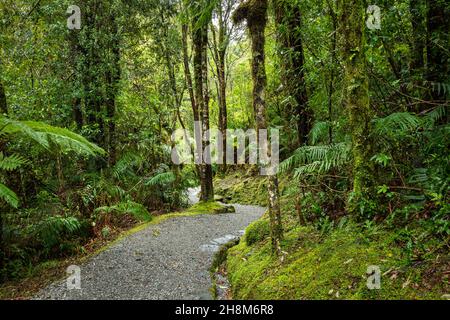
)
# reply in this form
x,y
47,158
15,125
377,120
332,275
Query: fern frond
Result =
x,y
317,158
44,134
161,179
52,229
65,139
11,162
435,115
8,196
319,132
399,122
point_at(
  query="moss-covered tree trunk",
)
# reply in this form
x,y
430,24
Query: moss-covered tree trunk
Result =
x,y
289,19
255,13
199,38
356,99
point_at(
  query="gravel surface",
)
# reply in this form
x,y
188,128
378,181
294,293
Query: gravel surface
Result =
x,y
165,261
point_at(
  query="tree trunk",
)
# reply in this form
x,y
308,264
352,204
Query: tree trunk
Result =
x,y
74,58
199,36
3,104
113,78
190,87
255,12
3,110
219,48
437,40
288,20
356,99
416,7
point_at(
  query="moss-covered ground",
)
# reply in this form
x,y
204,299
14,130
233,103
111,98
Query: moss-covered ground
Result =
x,y
331,264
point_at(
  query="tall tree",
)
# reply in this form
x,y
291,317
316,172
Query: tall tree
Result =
x,y
255,13
438,36
356,98
221,31
200,21
288,18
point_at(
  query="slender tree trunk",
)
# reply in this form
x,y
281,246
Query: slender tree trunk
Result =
x,y
3,110
438,25
199,35
190,88
220,44
356,99
3,104
73,39
416,7
113,78
255,12
288,20
208,174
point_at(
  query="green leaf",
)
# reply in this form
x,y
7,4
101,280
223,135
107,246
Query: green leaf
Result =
x,y
9,196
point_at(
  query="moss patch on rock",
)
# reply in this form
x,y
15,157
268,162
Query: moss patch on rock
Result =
x,y
257,231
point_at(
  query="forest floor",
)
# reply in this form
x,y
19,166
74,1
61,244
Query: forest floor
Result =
x,y
169,260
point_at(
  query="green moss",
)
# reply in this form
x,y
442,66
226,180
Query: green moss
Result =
x,y
257,232
333,267
243,189
332,263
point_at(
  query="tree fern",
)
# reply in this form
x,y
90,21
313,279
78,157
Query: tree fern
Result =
x,y
45,134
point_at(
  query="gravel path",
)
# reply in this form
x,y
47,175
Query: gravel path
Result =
x,y
165,261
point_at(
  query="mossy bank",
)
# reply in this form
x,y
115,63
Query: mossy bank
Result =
x,y
332,261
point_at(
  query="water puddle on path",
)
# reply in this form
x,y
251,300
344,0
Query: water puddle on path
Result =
x,y
215,244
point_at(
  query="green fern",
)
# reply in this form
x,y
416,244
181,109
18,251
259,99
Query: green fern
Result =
x,y
137,210
319,132
52,229
12,162
45,134
164,178
435,115
316,159
397,123
8,196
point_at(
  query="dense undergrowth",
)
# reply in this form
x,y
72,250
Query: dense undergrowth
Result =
x,y
328,258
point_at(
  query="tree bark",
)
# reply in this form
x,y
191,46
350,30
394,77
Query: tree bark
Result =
x,y
289,21
255,12
112,78
356,99
437,40
3,102
199,38
220,45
